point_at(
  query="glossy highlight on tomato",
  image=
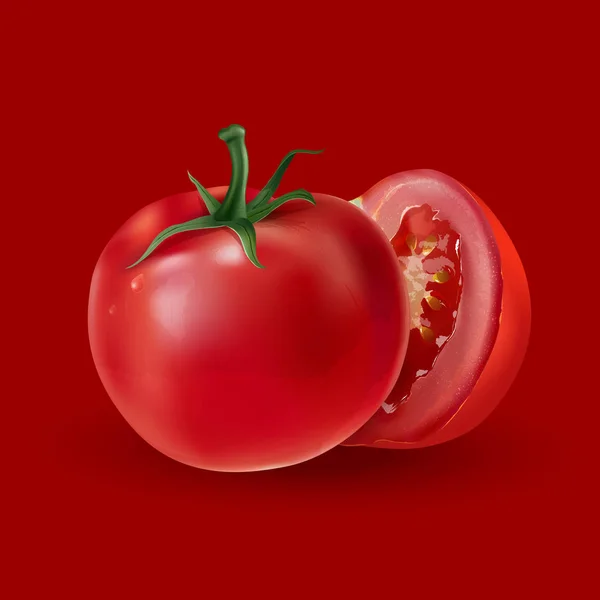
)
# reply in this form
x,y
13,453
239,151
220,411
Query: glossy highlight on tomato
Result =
x,y
239,336
470,312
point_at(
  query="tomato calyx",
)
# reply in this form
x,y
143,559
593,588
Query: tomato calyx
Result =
x,y
233,212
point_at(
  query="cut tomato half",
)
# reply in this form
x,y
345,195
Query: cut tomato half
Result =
x,y
469,309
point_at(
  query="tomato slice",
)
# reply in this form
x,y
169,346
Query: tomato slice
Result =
x,y
448,248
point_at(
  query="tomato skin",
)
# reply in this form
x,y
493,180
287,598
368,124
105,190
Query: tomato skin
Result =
x,y
508,339
224,366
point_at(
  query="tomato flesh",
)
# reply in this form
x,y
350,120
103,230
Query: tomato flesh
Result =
x,y
470,312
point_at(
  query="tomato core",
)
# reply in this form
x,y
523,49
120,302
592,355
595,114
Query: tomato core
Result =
x,y
429,252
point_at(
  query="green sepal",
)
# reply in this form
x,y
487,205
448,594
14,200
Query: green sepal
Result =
x,y
207,222
234,213
266,209
269,190
247,234
212,204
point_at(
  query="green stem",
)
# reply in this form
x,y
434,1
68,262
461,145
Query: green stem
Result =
x,y
234,204
234,213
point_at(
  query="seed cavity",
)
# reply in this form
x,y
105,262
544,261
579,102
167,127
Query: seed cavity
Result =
x,y
428,253
418,277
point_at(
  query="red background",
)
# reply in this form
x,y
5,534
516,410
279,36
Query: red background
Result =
x,y
106,107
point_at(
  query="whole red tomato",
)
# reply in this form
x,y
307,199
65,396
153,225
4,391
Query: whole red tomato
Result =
x,y
470,313
223,365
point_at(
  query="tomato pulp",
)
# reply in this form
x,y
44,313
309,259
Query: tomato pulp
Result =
x,y
470,314
223,365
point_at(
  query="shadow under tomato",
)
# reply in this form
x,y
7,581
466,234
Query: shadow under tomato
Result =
x,y
102,449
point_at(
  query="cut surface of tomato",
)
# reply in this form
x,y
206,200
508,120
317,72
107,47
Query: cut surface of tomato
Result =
x,y
458,263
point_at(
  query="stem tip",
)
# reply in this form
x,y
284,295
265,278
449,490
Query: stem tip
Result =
x,y
232,132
